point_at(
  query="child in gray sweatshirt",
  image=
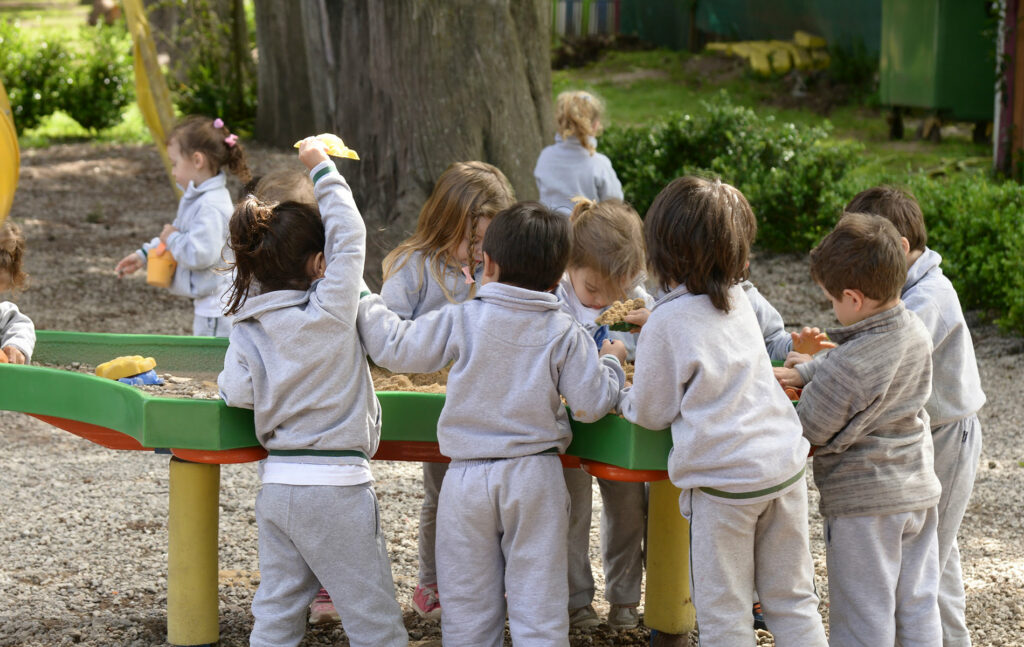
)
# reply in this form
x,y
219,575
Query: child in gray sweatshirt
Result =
x,y
17,332
738,453
503,512
956,390
864,410
296,288
440,264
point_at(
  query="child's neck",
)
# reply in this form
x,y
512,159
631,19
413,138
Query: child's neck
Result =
x,y
873,307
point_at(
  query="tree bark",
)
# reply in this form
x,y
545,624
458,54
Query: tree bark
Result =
x,y
412,86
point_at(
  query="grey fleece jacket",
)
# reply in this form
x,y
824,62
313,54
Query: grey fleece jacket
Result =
x,y
294,356
200,244
865,412
566,169
705,373
412,289
514,352
956,385
776,339
16,330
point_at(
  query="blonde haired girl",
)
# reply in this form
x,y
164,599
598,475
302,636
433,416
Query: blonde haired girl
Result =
x,y
435,266
572,166
606,265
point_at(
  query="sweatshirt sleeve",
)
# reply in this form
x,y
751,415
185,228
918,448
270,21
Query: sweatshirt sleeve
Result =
x,y
423,345
589,383
344,246
202,245
654,399
608,184
829,402
235,381
776,339
17,330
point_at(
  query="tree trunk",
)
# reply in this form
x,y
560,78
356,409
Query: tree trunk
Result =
x,y
283,113
414,86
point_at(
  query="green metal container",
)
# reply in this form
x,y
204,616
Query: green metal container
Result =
x,y
936,55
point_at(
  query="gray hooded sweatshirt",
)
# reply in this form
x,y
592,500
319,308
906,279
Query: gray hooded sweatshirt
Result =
x,y
16,330
412,290
776,339
514,352
956,385
200,244
566,169
705,373
294,356
865,412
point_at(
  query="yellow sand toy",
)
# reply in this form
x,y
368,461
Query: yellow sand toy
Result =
x,y
10,155
125,366
335,147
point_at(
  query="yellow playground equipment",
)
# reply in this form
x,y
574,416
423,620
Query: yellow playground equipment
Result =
x,y
10,155
766,57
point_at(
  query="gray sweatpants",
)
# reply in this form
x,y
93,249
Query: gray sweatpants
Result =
x,y
501,527
313,534
737,548
211,326
957,449
433,474
622,534
883,575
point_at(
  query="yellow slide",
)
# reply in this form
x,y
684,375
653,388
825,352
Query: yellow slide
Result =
x,y
151,89
10,155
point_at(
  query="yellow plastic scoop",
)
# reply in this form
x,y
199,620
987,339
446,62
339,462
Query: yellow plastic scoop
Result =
x,y
335,147
124,366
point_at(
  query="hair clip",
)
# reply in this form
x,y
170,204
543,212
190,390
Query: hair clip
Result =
x,y
231,140
218,123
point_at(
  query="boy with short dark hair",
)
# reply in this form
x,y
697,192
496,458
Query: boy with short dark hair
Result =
x,y
863,407
956,390
503,513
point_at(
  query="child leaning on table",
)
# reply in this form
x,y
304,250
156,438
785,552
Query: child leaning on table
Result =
x,y
439,264
200,149
606,265
296,287
738,453
503,512
956,390
863,407
17,332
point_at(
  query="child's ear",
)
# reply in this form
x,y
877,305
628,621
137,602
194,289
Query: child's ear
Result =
x,y
856,298
198,160
905,244
491,270
316,266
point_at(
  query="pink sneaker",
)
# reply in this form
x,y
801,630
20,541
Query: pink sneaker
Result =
x,y
321,609
426,601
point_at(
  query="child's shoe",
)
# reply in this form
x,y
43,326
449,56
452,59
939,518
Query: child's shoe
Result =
x,y
426,601
583,617
623,616
321,609
759,617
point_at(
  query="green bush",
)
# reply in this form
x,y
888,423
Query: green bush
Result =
x,y
35,73
103,79
787,172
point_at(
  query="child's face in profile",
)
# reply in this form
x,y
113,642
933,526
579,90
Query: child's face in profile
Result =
x,y
463,253
184,167
595,290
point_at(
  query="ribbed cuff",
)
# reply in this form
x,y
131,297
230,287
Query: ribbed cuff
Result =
x,y
322,169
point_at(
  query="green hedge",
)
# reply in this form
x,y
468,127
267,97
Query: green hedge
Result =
x,y
787,172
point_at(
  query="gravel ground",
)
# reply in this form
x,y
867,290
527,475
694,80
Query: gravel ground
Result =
x,y
83,529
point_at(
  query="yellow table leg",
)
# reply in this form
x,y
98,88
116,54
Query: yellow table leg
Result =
x,y
192,603
668,607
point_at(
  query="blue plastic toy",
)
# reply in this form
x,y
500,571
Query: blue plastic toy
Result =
x,y
149,377
600,335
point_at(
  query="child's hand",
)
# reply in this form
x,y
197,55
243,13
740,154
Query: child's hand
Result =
x,y
788,377
129,264
312,151
794,358
613,347
638,318
166,233
810,340
13,355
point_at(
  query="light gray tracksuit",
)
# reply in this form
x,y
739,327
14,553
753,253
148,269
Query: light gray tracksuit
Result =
x,y
624,504
17,330
295,359
956,433
776,339
739,457
503,510
864,410
566,170
200,249
415,288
